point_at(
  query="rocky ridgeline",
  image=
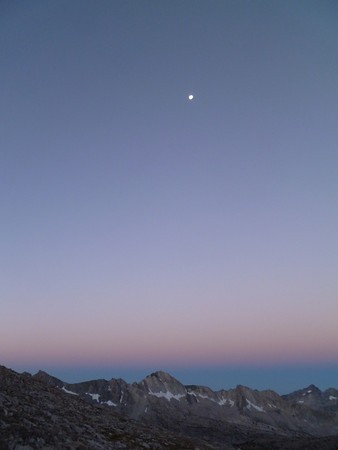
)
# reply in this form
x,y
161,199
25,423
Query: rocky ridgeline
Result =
x,y
160,396
159,412
35,414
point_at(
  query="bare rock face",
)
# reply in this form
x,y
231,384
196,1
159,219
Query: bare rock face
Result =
x,y
315,398
42,412
36,413
161,400
163,385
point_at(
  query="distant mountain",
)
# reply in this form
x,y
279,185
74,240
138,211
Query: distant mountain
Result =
x,y
161,412
316,399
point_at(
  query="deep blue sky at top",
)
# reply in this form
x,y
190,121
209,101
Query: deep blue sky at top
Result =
x,y
118,194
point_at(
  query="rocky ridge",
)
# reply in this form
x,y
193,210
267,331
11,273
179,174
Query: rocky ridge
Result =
x,y
161,412
159,395
39,414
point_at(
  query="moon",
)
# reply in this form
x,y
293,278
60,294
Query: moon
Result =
x,y
190,97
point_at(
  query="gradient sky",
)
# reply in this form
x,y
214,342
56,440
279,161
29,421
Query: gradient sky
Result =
x,y
142,230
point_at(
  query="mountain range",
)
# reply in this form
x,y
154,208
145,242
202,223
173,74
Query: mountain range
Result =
x,y
42,412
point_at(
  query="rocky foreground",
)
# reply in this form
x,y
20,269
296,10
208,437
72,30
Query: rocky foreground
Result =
x,y
35,415
42,412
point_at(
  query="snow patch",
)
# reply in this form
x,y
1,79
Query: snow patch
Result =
x,y
109,403
68,392
167,395
94,396
252,405
300,401
221,402
226,401
207,397
193,393
202,396
333,398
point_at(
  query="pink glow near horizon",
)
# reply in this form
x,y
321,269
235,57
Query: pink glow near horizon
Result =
x,y
216,339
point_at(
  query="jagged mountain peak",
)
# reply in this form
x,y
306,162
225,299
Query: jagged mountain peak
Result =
x,y
311,389
161,378
241,388
163,384
44,376
301,394
332,392
165,377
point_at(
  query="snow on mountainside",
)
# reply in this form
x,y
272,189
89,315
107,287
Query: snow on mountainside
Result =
x,y
315,398
42,411
160,398
39,413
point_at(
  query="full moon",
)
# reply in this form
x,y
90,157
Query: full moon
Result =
x,y
190,97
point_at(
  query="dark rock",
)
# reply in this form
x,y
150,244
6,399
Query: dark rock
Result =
x,y
43,412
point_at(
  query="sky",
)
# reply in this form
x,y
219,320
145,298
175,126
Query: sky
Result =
x,y
142,231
